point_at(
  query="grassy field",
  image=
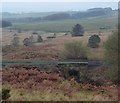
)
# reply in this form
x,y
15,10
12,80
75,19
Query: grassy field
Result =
x,y
56,44
90,24
53,45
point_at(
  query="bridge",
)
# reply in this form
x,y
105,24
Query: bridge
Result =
x,y
53,62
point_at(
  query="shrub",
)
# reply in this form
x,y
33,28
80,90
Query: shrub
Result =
x,y
27,42
77,30
39,39
15,41
34,32
5,94
74,50
68,73
7,48
31,39
94,41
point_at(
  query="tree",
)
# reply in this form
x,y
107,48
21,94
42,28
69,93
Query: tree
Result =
x,y
15,41
74,50
111,56
77,30
94,41
27,42
111,49
39,39
4,23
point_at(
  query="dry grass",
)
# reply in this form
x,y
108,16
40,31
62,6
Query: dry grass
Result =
x,y
7,36
97,53
49,95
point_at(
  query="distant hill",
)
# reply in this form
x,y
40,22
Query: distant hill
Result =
x,y
93,13
53,16
23,20
57,16
25,15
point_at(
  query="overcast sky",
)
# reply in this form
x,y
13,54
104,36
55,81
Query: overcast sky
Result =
x,y
19,7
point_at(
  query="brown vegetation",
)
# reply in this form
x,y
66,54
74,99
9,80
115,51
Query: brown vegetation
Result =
x,y
43,81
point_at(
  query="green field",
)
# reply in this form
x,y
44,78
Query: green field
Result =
x,y
90,24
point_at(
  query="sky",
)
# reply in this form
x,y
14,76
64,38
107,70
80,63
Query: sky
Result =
x,y
19,7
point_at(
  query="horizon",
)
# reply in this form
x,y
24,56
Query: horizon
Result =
x,y
35,7
50,11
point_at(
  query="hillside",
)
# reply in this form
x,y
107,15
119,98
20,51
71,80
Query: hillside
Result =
x,y
52,16
24,15
89,24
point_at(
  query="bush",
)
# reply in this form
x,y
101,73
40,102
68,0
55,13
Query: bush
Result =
x,y
94,41
7,48
74,50
5,94
34,32
32,39
68,73
15,41
77,30
27,42
39,39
